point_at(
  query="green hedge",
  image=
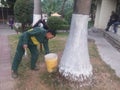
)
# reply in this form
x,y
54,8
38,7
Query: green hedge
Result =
x,y
57,23
23,13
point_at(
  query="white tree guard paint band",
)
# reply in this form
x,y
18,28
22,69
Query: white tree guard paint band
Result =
x,y
36,17
75,62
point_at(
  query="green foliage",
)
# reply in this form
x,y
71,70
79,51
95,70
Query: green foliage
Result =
x,y
90,24
57,23
9,3
51,6
23,11
68,10
68,15
20,29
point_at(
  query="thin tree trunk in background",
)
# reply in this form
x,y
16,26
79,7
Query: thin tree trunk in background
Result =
x,y
63,6
75,64
37,14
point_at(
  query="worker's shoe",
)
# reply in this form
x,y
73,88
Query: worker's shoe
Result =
x,y
35,69
14,75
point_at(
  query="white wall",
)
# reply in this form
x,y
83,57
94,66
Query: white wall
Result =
x,y
97,16
104,9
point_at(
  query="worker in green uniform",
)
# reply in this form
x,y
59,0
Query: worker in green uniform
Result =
x,y
30,39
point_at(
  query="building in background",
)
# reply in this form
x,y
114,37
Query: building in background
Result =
x,y
5,13
103,12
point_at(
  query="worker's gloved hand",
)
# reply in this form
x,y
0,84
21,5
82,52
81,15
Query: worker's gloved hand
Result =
x,y
25,46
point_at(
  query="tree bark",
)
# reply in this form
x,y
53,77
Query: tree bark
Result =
x,y
82,7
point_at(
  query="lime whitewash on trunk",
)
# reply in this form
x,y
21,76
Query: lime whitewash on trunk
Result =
x,y
75,63
37,11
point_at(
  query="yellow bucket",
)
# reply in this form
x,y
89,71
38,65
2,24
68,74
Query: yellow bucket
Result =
x,y
51,60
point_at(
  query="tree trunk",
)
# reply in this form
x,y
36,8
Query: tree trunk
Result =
x,y
75,64
37,13
82,7
63,6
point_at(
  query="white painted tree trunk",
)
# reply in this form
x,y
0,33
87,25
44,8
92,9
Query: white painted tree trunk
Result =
x,y
75,63
36,12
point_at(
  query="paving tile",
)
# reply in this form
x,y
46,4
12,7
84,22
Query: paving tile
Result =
x,y
6,81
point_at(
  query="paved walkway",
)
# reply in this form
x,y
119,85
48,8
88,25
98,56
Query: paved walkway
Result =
x,y
108,53
6,82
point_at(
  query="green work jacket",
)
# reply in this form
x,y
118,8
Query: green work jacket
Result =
x,y
35,36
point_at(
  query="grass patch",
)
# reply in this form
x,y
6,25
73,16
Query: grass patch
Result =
x,y
104,76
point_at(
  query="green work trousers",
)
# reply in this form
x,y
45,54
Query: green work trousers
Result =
x,y
20,52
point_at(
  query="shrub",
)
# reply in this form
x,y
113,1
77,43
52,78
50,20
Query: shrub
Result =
x,y
68,16
23,12
18,27
57,23
90,24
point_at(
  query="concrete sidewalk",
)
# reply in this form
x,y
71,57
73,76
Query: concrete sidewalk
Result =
x,y
6,82
108,53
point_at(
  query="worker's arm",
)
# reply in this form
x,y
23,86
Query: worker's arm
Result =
x,y
46,48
